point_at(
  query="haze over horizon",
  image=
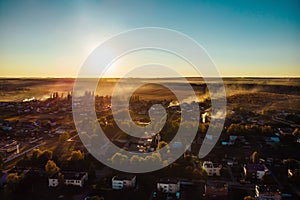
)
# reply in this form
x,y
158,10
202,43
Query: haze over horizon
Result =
x,y
244,39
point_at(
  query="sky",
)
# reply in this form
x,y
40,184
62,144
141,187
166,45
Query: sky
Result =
x,y
244,38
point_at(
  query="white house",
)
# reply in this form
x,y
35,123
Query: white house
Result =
x,y
123,181
70,178
53,181
212,168
168,186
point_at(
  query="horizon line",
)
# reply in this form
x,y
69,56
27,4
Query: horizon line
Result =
x,y
72,77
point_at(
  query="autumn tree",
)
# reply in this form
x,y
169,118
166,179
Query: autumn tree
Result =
x,y
35,155
119,158
135,160
44,157
255,157
249,198
153,160
97,198
51,168
162,144
187,172
296,132
64,137
199,174
77,155
235,129
39,158
266,130
13,180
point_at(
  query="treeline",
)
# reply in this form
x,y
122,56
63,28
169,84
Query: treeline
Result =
x,y
240,129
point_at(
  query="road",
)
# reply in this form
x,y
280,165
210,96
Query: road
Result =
x,y
23,153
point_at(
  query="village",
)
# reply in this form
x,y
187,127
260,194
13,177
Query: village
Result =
x,y
43,157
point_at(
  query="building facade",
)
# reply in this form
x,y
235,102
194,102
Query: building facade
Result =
x,y
123,182
212,168
69,178
168,186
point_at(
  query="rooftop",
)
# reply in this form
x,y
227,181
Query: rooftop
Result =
x,y
168,181
124,177
70,175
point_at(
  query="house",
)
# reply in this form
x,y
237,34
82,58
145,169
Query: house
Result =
x,y
255,171
263,192
123,181
53,181
212,168
168,186
70,178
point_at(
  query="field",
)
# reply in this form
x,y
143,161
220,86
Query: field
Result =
x,y
256,94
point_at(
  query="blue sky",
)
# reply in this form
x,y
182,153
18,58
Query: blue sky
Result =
x,y
244,38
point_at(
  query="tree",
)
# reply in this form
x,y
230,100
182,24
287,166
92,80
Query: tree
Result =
x,y
296,132
161,144
235,129
255,157
13,180
77,155
156,158
187,172
64,137
196,174
153,160
119,158
51,168
44,157
39,158
35,154
47,154
266,130
135,160
97,198
249,198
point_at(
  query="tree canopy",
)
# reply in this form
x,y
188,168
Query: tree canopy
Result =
x,y
64,137
51,168
13,180
77,155
255,157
